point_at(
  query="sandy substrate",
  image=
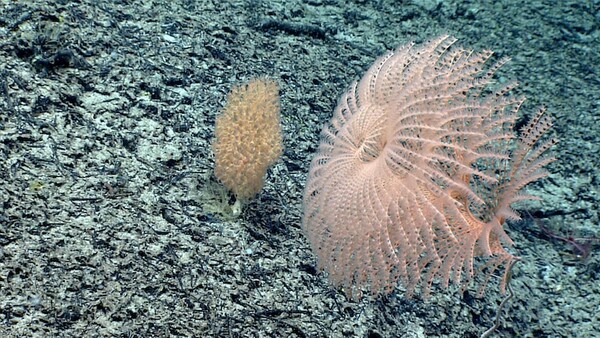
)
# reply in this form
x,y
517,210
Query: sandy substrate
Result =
x,y
111,221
